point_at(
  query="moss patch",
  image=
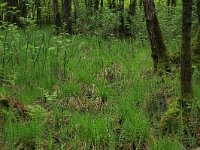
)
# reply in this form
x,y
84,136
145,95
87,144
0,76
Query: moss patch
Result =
x,y
171,120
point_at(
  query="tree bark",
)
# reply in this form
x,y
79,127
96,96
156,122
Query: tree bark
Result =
x,y
56,13
67,15
186,59
159,51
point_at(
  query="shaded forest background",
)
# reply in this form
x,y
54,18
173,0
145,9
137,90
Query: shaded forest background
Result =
x,y
99,74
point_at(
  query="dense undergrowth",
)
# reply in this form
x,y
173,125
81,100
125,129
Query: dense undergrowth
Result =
x,y
85,92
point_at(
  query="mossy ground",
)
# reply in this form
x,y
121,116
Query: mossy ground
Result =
x,y
87,93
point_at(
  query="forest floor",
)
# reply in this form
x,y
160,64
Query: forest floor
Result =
x,y
79,92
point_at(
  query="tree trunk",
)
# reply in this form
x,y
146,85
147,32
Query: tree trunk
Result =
x,y
23,8
38,9
186,60
96,5
76,6
159,51
56,13
67,15
131,13
101,4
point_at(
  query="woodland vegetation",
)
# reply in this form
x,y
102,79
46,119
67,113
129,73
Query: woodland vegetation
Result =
x,y
99,74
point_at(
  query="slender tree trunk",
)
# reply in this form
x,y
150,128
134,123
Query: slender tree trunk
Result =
x,y
23,8
186,60
101,3
159,51
55,8
96,5
57,19
67,15
131,13
76,6
38,9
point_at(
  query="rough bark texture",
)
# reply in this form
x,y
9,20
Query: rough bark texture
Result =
x,y
159,51
67,15
186,60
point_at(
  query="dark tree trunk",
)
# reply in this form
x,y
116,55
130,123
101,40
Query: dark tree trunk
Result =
x,y
57,19
186,60
55,8
101,4
76,6
67,15
23,8
96,5
38,9
159,51
131,13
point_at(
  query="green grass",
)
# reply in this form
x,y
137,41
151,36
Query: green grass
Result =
x,y
81,93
